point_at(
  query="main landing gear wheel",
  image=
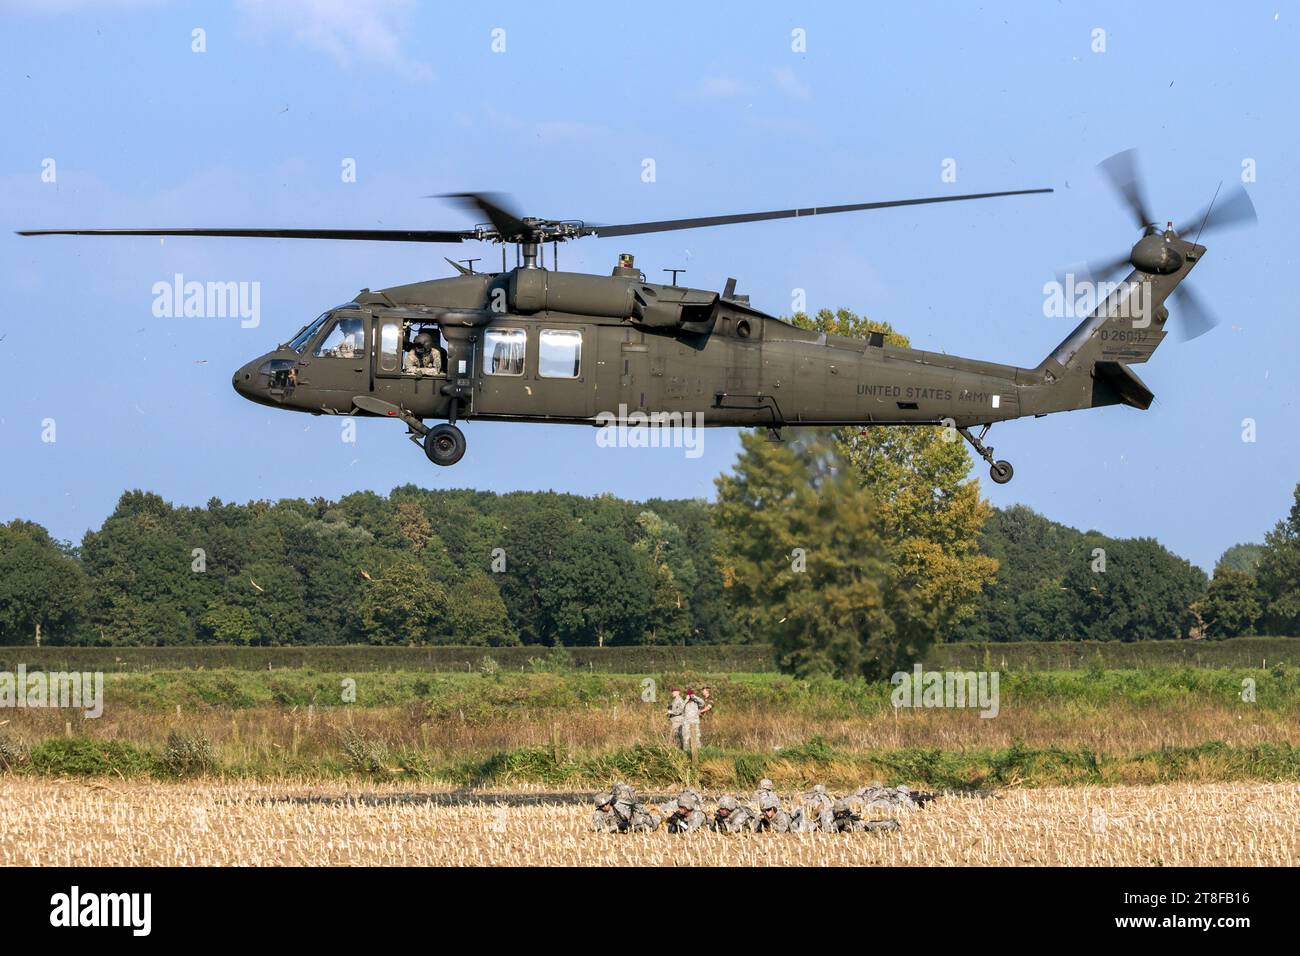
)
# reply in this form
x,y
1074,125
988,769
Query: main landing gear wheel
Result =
x,y
444,444
999,471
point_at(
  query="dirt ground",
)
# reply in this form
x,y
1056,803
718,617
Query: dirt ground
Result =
x,y
115,823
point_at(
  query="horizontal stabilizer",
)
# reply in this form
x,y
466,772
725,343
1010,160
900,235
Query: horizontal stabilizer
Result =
x,y
1126,386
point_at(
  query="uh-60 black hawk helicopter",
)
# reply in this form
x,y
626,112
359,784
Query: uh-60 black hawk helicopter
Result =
x,y
532,344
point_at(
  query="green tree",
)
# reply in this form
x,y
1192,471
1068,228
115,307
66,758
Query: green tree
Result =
x,y
596,589
1145,592
1241,557
1231,607
802,549
477,615
42,588
403,605
1278,573
229,624
674,576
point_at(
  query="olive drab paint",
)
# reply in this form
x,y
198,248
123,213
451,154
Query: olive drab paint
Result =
x,y
532,344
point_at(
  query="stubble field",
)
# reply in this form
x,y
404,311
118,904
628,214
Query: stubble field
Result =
x,y
119,823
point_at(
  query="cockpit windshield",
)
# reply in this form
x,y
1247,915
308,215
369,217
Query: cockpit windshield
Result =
x,y
302,338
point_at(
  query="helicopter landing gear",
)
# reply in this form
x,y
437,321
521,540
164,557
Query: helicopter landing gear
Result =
x,y
444,444
999,471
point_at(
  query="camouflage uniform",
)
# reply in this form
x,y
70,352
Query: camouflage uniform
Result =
x,y
771,818
731,816
604,820
687,816
632,816
841,819
816,801
644,818
691,725
676,712
801,821
877,797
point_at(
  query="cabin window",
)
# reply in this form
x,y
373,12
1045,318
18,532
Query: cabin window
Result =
x,y
559,353
347,339
503,351
389,339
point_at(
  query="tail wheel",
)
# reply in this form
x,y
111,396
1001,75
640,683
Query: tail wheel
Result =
x,y
444,444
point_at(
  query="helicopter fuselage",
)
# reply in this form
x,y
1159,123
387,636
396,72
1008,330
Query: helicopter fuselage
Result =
x,y
508,353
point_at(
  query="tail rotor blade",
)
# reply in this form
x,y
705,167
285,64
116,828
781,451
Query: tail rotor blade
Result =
x,y
1193,315
1121,171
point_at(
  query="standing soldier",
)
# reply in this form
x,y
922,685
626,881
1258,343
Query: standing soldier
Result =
x,y
706,700
771,818
687,816
676,710
691,724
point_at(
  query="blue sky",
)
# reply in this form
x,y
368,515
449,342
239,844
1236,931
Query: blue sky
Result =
x,y
144,131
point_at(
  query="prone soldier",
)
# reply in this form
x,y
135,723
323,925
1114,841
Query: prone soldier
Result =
x,y
731,817
687,816
840,818
632,815
771,818
604,819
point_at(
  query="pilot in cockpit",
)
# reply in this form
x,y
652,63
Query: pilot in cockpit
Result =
x,y
349,336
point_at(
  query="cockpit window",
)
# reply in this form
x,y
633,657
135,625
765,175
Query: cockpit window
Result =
x,y
347,339
302,338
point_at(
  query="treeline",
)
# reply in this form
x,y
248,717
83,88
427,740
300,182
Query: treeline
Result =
x,y
415,567
541,568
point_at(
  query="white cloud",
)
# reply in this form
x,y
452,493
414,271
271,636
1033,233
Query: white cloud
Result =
x,y
348,30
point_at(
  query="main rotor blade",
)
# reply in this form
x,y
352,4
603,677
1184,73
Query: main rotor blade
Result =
x,y
669,225
493,206
1121,170
1234,209
1196,319
365,235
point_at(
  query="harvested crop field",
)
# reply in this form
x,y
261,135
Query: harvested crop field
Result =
x,y
117,823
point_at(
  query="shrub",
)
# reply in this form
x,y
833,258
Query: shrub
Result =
x,y
187,755
364,753
14,754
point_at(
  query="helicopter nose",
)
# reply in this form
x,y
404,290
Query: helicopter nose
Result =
x,y
243,380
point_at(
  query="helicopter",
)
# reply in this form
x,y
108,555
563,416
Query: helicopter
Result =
x,y
532,344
